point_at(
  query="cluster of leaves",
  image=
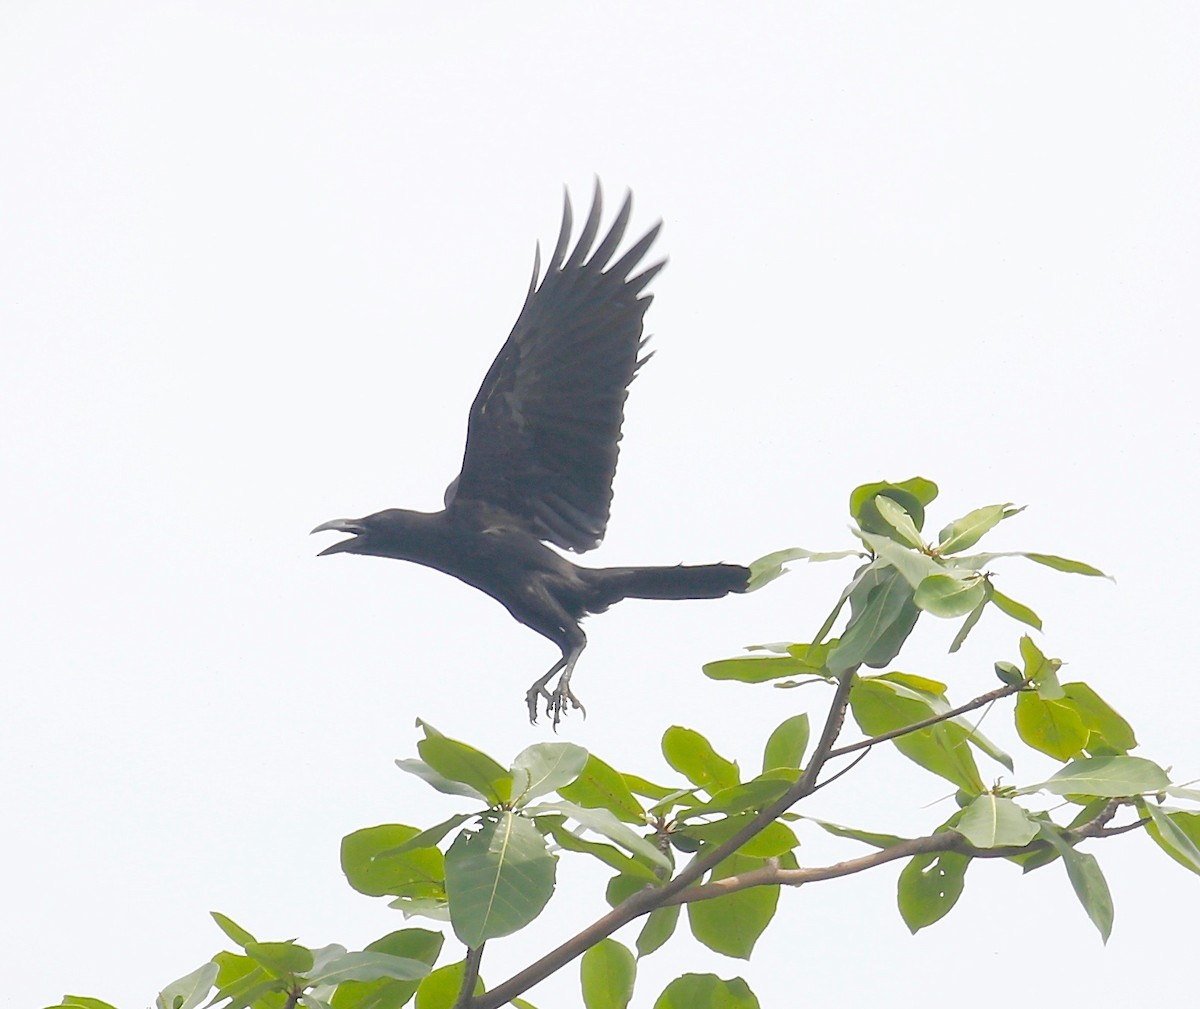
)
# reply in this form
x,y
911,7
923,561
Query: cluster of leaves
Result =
x,y
719,841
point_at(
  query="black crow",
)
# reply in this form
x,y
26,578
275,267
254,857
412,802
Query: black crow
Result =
x,y
541,453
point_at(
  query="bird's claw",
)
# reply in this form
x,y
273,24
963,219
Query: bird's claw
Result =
x,y
559,701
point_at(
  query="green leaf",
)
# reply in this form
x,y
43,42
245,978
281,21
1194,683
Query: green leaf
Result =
x,y
439,990
972,619
1100,719
599,786
659,927
1063,564
771,566
731,924
462,763
689,753
412,944
873,838
1041,671
607,825
241,980
546,767
1009,674
606,853
754,794
444,785
498,878
759,668
1014,609
899,520
968,530
416,873
877,630
770,842
881,705
81,1002
786,745
621,888
1178,834
706,991
232,929
370,966
1052,727
280,958
911,495
913,565
190,990
991,821
430,837
606,975
945,595
1086,879
1110,777
929,886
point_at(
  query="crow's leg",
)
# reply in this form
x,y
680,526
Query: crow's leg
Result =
x,y
558,699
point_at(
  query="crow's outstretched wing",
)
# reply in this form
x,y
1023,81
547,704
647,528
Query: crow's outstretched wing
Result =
x,y
543,431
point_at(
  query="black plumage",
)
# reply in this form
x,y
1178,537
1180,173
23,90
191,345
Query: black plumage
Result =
x,y
541,452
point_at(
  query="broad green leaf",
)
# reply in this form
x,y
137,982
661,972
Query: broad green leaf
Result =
x,y
462,763
439,990
82,1002
876,631
754,794
1064,564
431,837
991,821
443,784
967,531
1052,727
1008,674
1086,880
601,787
1014,609
706,991
770,566
190,990
1041,671
929,886
606,853
606,975
944,595
416,873
546,767
232,929
659,927
759,668
621,888
640,786
425,907
241,980
369,966
786,745
1178,834
911,495
899,520
280,958
731,924
1099,718
873,838
771,842
498,878
1111,777
689,753
606,824
412,944
880,706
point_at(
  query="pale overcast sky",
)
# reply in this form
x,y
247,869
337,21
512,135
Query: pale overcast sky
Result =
x,y
256,259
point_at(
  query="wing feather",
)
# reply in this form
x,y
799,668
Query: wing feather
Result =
x,y
543,433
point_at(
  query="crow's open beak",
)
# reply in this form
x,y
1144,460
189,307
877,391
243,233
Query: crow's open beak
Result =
x,y
340,526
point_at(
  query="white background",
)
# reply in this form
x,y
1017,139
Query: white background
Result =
x,y
254,261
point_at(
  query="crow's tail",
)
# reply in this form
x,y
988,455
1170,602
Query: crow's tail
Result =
x,y
700,581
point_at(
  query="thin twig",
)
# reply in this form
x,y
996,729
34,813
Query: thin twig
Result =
x,y
466,992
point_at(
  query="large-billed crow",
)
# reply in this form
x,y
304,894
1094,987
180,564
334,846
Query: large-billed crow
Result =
x,y
540,457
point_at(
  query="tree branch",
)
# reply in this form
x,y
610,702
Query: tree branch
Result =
x,y
466,991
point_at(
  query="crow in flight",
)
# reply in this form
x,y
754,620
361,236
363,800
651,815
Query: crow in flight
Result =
x,y
540,457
